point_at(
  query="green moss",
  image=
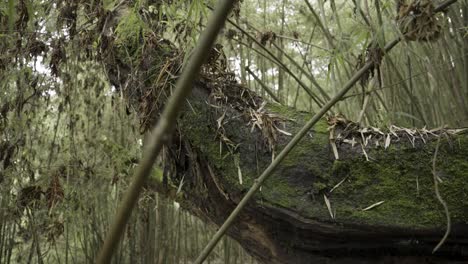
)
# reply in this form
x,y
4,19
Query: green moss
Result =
x,y
299,117
108,4
280,192
196,125
319,187
130,34
283,111
403,179
400,175
321,126
156,176
340,168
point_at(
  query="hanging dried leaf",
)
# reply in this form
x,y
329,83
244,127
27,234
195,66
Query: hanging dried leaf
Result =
x,y
338,184
335,150
54,193
387,141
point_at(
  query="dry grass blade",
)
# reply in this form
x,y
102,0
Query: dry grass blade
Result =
x,y
335,150
239,171
220,120
283,132
338,184
240,174
327,202
179,189
373,206
364,152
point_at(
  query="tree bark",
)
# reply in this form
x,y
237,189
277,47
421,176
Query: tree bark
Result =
x,y
227,135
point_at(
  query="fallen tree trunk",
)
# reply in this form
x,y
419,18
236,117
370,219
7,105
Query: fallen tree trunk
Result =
x,y
216,156
289,221
345,195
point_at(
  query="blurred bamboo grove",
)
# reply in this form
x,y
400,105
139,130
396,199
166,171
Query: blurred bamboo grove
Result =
x,y
69,141
321,43
160,232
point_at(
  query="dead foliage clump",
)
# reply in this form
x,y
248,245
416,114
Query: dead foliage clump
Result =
x,y
417,20
23,17
54,193
68,15
268,124
237,8
265,37
226,93
29,197
216,62
37,48
373,53
7,151
159,66
343,131
57,57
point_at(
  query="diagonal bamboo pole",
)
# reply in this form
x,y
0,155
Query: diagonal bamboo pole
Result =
x,y
164,127
268,171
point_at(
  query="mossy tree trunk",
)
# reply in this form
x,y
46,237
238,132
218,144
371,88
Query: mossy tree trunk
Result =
x,y
289,222
227,135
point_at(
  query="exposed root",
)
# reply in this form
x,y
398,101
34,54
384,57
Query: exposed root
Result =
x,y
441,200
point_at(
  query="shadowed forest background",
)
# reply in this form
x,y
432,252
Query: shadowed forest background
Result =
x,y
82,81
